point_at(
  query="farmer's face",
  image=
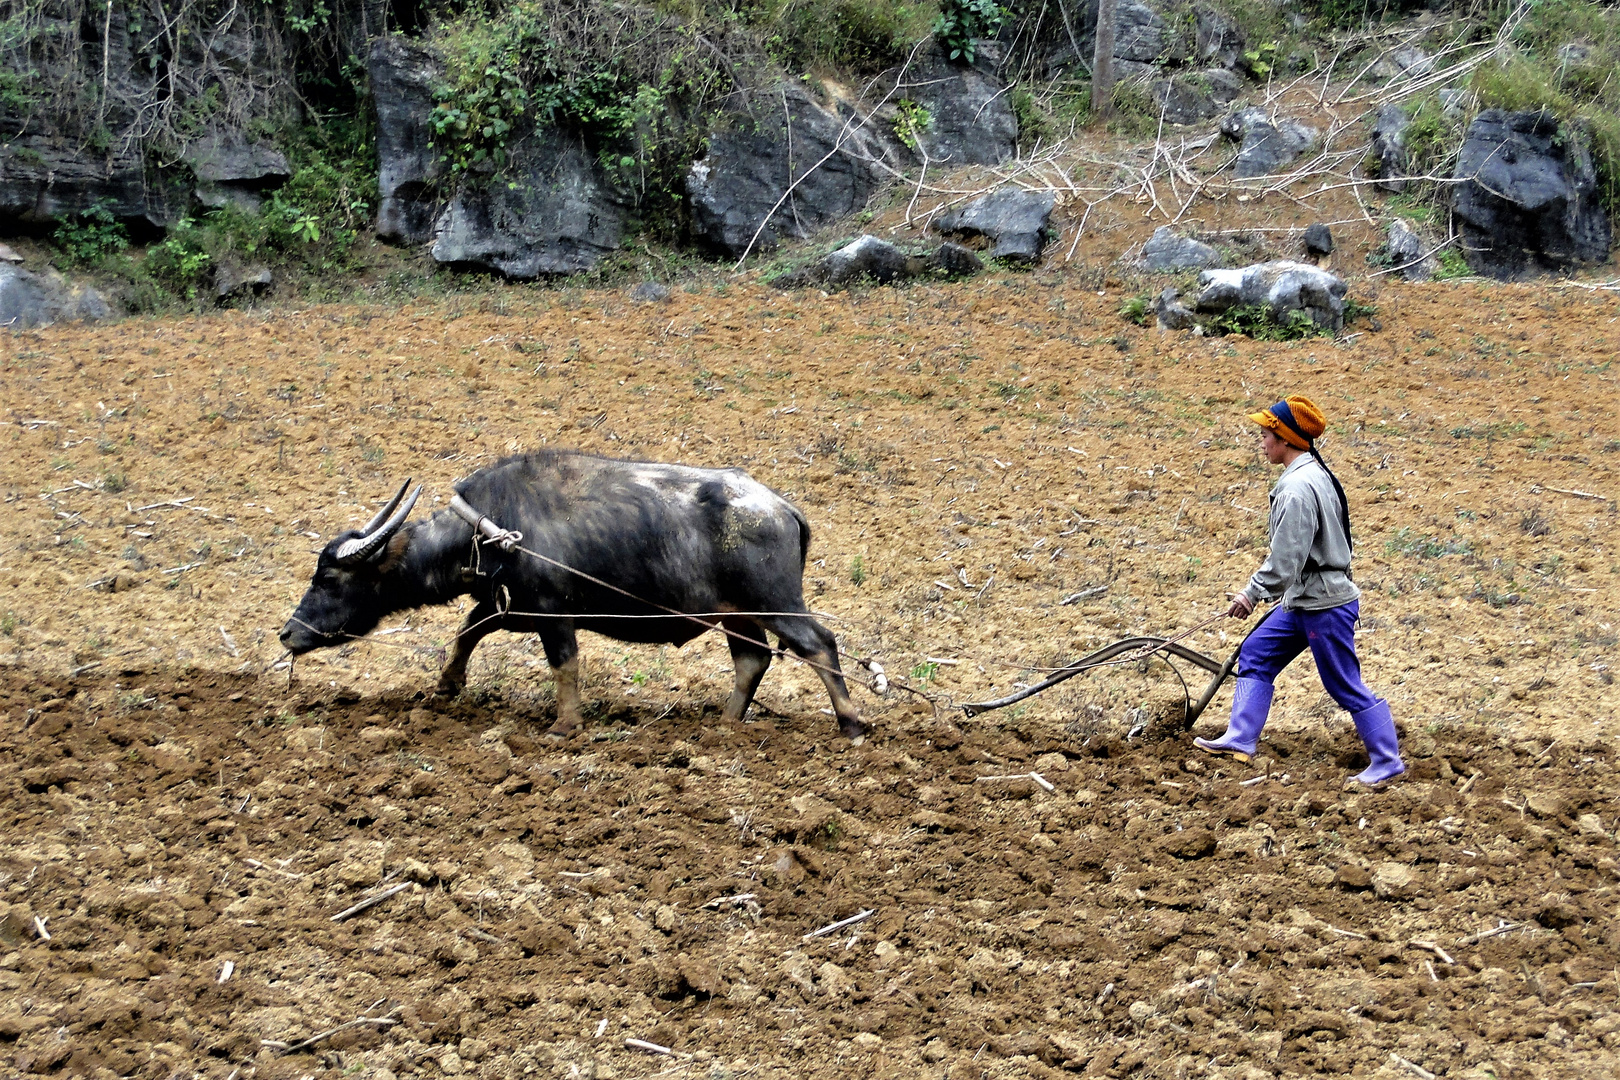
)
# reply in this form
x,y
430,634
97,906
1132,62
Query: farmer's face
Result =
x,y
1273,447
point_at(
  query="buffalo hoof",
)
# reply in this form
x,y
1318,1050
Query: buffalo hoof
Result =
x,y
563,729
447,689
854,731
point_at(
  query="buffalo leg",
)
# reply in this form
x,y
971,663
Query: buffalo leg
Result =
x,y
479,624
750,661
815,643
562,651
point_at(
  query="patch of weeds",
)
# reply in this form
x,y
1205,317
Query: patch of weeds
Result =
x,y
1257,321
90,236
1452,265
1137,309
910,121
925,672
960,21
1408,542
8,624
1535,522
857,571
113,482
1354,309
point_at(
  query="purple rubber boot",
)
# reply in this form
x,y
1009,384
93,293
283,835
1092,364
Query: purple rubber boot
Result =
x,y
1251,703
1377,730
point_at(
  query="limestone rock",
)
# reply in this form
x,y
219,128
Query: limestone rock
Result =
x,y
1265,148
556,214
1407,249
231,171
1195,97
1389,145
1013,219
954,260
1530,202
1282,287
1171,312
754,155
1218,39
408,168
650,292
970,114
1167,251
29,299
867,257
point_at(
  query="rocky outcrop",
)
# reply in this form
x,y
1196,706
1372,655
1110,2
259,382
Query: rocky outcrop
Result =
x,y
29,299
969,113
1015,222
408,169
1195,97
1167,252
231,171
1408,252
1143,35
552,212
736,189
1389,147
44,178
1217,39
1529,203
1281,287
1265,148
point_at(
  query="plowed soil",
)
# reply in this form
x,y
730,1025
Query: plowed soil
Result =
x,y
183,817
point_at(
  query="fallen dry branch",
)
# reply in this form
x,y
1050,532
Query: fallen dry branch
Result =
x,y
293,1048
371,901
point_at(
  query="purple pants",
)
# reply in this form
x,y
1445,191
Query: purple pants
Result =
x,y
1284,634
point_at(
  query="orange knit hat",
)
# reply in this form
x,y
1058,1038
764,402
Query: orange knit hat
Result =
x,y
1295,420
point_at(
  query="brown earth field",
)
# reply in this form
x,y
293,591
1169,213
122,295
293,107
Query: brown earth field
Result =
x,y
183,817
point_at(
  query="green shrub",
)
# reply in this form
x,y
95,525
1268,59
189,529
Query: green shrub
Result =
x,y
960,21
860,34
1138,309
1257,321
89,236
181,264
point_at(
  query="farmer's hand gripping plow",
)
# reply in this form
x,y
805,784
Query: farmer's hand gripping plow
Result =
x,y
1134,650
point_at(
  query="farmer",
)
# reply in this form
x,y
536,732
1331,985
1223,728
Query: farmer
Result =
x,y
1309,568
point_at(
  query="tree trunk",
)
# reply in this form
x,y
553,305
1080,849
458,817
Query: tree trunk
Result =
x,y
1102,63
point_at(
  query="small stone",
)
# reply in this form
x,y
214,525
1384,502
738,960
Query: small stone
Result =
x,y
1189,844
1394,881
650,292
1141,1011
1590,825
1351,876
1319,239
868,1043
885,955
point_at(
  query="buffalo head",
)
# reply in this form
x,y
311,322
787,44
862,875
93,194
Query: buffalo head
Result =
x,y
346,596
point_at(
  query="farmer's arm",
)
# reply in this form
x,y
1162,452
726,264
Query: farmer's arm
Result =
x,y
1293,530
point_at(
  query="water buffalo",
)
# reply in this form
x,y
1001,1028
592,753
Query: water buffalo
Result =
x,y
671,537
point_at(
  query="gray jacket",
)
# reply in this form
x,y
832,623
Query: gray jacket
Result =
x,y
1309,563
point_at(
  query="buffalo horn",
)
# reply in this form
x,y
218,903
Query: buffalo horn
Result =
x,y
382,515
363,547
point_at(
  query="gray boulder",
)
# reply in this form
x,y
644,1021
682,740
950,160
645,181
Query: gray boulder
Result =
x,y
970,113
232,281
552,213
753,158
1318,239
1389,146
1172,313
650,292
1195,97
1265,149
1143,35
1407,250
1166,252
1530,201
231,171
1217,38
409,171
954,261
867,257
29,299
1282,287
1014,220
